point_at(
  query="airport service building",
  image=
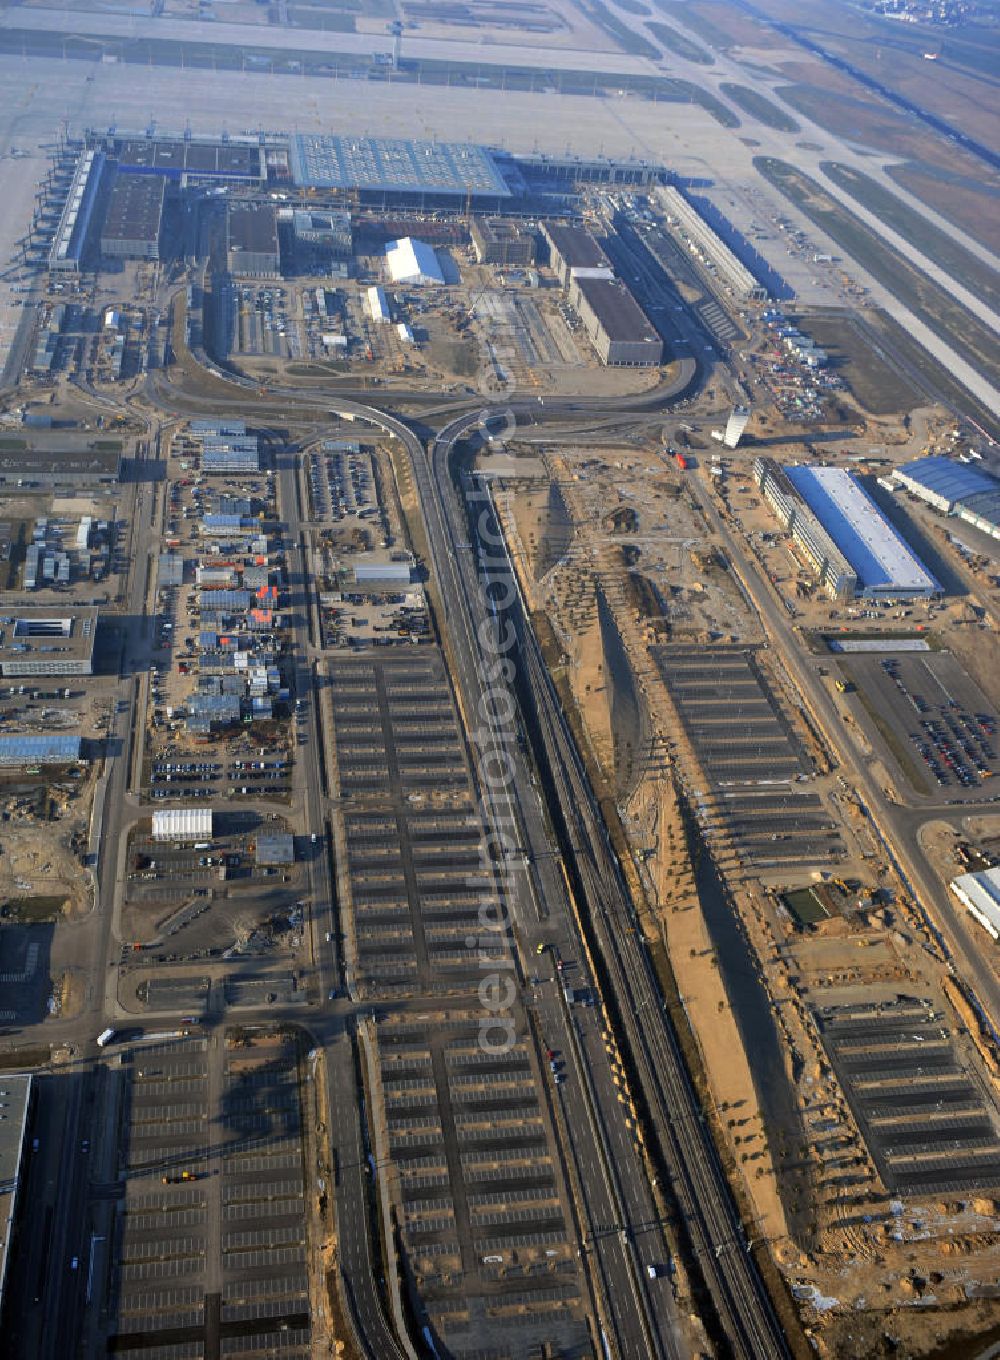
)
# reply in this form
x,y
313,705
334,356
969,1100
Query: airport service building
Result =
x,y
133,218
838,528
886,567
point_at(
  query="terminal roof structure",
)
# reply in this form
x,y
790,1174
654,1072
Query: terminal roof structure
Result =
x,y
395,165
205,159
884,564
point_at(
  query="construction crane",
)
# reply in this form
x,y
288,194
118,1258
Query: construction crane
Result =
x,y
463,324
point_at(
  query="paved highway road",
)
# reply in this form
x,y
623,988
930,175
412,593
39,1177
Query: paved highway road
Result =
x,y
710,1214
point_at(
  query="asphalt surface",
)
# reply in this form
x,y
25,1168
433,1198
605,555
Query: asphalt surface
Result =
x,y
710,1214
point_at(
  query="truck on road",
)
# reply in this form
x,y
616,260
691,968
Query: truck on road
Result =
x,y
105,1037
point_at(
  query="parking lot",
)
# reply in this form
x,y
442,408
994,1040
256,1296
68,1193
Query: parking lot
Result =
x,y
480,1203
478,1188
342,482
937,724
411,839
922,1115
753,758
25,953
261,324
211,1235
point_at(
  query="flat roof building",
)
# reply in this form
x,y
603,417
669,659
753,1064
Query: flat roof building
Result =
x,y
574,251
17,1101
170,570
325,232
411,261
721,265
381,569
217,425
133,218
885,566
182,824
618,328
55,748
252,249
499,241
230,453
40,642
980,895
836,575
56,463
274,847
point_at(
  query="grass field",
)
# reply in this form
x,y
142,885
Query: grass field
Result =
x,y
35,910
866,121
939,382
627,38
805,905
678,44
969,337
972,202
854,352
937,245
750,101
697,22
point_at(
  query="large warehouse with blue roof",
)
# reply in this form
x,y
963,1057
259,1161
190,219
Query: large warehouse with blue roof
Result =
x,y
954,489
886,567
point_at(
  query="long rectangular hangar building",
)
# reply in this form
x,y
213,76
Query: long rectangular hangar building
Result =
x,y
389,169
886,567
955,489
133,217
618,328
252,250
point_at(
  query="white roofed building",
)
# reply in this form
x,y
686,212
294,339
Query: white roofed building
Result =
x,y
885,565
980,895
182,824
412,261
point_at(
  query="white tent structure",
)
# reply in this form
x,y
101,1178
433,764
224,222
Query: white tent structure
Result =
x,y
411,261
183,824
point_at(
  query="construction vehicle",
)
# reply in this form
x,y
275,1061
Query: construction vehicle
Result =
x,y
464,321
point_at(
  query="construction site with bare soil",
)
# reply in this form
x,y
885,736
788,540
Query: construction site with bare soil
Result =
x,y
851,1083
